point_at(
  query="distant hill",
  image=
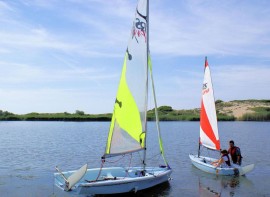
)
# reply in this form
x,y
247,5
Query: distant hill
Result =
x,y
243,110
247,110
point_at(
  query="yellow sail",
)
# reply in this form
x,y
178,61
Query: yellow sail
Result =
x,y
128,124
126,134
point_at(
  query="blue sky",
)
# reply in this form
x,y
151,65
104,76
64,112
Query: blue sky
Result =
x,y
58,56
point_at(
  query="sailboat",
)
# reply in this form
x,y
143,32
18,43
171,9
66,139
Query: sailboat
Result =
x,y
209,137
128,130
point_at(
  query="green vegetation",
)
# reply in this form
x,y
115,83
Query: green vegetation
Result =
x,y
78,112
166,113
260,108
225,117
219,101
5,115
261,114
253,100
165,109
77,116
221,104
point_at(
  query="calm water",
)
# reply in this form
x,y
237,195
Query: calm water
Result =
x,y
31,150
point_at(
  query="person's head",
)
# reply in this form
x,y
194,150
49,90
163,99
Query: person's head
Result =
x,y
224,152
231,143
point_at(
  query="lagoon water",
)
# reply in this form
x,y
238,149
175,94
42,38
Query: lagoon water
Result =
x,y
31,150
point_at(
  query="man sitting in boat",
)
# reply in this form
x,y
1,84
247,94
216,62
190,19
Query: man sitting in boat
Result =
x,y
224,160
235,153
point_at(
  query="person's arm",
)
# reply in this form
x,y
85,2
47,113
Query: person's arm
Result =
x,y
214,162
220,161
238,160
238,154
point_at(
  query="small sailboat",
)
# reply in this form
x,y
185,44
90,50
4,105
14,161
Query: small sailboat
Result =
x,y
209,137
128,129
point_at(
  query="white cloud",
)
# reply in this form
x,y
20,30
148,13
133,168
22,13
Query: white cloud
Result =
x,y
209,27
190,28
4,7
46,100
76,45
34,39
91,40
230,82
241,82
22,73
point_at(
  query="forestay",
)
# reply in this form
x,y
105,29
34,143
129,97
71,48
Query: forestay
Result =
x,y
208,118
156,111
128,126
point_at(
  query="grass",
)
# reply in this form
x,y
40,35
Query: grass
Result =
x,y
225,117
166,113
57,117
253,100
260,114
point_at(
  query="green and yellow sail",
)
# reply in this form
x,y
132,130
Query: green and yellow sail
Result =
x,y
128,125
126,131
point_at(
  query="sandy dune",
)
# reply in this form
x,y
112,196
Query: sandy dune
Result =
x,y
238,108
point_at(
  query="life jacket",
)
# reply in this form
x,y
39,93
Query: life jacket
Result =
x,y
228,162
232,152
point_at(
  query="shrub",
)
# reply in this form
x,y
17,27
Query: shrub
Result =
x,y
165,108
78,112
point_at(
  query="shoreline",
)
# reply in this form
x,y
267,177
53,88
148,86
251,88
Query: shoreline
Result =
x,y
237,110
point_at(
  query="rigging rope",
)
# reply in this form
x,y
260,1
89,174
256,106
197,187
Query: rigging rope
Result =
x,y
101,166
116,160
129,165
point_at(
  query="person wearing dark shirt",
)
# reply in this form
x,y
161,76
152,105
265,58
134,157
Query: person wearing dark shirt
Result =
x,y
235,153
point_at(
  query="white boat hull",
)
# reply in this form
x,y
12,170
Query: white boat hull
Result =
x,y
204,164
115,180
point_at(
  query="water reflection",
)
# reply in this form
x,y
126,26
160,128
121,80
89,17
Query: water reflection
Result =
x,y
157,191
215,187
221,186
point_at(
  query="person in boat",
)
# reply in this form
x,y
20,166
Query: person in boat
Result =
x,y
224,160
235,153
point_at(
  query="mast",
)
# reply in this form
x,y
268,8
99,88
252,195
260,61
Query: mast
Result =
x,y
199,148
146,95
128,124
206,62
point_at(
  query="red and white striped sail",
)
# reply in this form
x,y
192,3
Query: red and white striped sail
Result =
x,y
208,118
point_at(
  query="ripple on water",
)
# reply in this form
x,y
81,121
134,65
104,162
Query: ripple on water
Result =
x,y
26,177
28,168
31,150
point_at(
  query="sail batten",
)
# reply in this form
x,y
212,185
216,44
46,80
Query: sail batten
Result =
x,y
208,119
